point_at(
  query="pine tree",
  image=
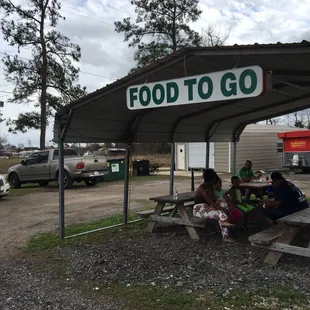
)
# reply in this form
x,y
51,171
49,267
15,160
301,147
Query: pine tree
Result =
x,y
49,73
161,27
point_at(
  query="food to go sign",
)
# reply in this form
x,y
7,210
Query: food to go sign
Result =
x,y
222,85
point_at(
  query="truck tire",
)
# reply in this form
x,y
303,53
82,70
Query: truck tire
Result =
x,y
43,183
14,181
68,183
91,182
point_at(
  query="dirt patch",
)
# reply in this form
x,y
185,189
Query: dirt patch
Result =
x,y
25,215
5,164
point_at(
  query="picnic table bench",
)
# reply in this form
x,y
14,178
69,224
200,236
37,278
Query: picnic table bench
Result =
x,y
178,212
277,238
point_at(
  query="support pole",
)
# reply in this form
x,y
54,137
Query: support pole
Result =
x,y
234,158
172,162
207,155
192,180
61,189
126,186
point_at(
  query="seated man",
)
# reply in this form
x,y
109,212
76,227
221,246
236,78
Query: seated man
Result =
x,y
246,175
288,199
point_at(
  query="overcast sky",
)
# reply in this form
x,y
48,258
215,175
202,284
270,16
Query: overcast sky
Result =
x,y
105,57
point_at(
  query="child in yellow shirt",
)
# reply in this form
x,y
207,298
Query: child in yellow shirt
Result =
x,y
236,197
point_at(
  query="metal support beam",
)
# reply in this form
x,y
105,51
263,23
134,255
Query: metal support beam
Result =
x,y
126,185
172,162
273,49
131,79
234,158
207,155
192,179
61,188
65,120
200,112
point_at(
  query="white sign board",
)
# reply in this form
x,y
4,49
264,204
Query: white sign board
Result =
x,y
115,167
223,85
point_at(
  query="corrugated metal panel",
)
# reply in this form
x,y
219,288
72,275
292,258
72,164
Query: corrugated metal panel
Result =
x,y
259,143
103,115
261,149
221,156
197,155
269,128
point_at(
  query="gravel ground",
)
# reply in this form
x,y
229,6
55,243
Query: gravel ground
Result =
x,y
167,258
24,287
172,258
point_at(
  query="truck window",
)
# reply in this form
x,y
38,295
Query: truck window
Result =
x,y
67,154
38,158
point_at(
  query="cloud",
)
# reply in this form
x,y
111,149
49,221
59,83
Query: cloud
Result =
x,y
90,23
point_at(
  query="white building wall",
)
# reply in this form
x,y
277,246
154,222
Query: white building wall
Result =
x,y
258,143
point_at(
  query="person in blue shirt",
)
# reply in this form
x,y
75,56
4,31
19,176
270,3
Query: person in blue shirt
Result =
x,y
288,199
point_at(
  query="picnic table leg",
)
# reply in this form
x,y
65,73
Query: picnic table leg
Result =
x,y
158,209
286,238
173,212
191,230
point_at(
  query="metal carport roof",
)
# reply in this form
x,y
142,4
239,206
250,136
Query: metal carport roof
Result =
x,y
103,116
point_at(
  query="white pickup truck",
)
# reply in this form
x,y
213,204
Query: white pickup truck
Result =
x,y
42,167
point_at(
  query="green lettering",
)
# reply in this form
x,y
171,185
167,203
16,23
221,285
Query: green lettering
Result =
x,y
190,83
161,94
145,102
133,96
232,85
201,92
172,86
253,86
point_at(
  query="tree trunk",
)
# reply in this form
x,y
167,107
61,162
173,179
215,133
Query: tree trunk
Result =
x,y
174,39
43,98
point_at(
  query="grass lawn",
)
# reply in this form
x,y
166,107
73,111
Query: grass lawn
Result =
x,y
149,297
48,241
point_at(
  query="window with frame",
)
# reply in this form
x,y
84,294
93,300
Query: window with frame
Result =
x,y
280,147
38,158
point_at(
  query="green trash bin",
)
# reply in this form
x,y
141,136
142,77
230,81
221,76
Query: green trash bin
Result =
x,y
116,168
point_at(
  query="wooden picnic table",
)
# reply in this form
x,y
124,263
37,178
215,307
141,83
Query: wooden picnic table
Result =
x,y
255,185
278,238
177,213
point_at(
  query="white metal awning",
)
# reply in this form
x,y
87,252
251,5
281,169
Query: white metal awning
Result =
x,y
103,116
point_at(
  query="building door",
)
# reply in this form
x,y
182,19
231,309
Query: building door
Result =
x,y
181,156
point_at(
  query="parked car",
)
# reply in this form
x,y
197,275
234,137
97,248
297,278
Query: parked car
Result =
x,y
42,167
4,186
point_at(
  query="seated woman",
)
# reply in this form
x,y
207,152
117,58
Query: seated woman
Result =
x,y
207,206
288,199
